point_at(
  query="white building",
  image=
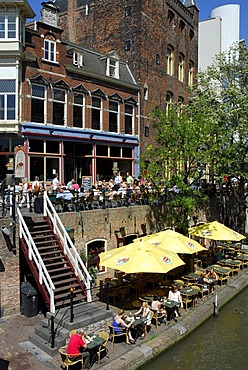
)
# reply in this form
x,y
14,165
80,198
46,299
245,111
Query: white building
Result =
x,y
218,33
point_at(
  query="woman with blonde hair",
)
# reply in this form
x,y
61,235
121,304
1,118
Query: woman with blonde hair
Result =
x,y
146,312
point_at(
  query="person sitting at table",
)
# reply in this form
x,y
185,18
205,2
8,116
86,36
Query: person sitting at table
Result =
x,y
156,306
145,311
202,279
175,295
212,274
213,278
120,325
77,348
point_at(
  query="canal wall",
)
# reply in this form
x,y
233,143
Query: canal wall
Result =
x,y
165,337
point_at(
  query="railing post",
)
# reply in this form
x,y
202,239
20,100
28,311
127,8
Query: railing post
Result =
x,y
52,332
107,286
71,305
45,203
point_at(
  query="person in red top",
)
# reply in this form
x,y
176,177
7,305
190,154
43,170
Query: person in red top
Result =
x,y
77,348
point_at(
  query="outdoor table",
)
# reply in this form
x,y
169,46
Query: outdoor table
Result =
x,y
218,270
189,291
192,277
93,343
170,307
138,321
66,195
229,263
241,257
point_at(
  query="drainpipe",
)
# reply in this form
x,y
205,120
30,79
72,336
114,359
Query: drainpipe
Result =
x,y
138,127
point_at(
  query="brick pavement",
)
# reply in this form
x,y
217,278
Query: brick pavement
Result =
x,y
15,330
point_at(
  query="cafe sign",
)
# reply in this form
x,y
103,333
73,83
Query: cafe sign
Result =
x,y
19,161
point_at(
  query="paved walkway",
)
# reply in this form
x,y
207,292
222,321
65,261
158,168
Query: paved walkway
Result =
x,y
23,355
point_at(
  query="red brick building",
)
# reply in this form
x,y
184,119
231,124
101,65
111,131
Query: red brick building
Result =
x,y
158,39
76,109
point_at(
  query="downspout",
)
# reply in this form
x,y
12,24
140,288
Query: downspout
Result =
x,y
138,130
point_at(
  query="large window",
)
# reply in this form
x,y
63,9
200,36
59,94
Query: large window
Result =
x,y
7,99
7,26
113,116
129,116
170,60
59,105
191,73
38,103
96,122
169,100
50,49
181,67
78,110
93,250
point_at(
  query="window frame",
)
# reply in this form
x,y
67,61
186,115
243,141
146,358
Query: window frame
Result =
x,y
181,67
78,59
78,105
116,113
6,29
112,68
191,73
127,116
170,60
169,101
33,97
64,102
48,50
96,109
5,107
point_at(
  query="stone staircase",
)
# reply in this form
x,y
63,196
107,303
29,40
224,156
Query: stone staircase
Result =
x,y
85,315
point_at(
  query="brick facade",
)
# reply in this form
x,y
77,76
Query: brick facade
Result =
x,y
150,27
89,226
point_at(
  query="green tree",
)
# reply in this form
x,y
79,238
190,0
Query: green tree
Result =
x,y
210,133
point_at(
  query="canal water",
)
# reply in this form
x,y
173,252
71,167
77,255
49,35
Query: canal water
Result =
x,y
221,343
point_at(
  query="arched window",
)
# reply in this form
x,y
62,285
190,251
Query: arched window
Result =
x,y
93,249
191,73
170,60
181,62
169,100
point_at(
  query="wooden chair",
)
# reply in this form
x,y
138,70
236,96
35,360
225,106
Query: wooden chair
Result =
x,y
204,290
179,283
156,317
114,335
187,300
149,325
225,277
66,362
103,347
195,287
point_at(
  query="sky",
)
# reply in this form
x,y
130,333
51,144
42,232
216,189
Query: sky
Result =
x,y
205,7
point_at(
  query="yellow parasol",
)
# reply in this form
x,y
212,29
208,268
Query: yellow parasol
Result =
x,y
172,241
140,257
215,231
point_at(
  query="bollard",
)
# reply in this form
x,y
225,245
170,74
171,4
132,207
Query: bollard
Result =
x,y
215,303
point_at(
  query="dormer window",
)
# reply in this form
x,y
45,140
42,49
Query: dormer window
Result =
x,y
112,68
7,26
78,59
50,49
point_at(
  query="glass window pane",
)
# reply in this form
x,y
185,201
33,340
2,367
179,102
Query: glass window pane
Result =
x,y
113,106
96,102
102,150
59,95
79,99
115,151
128,109
38,91
7,86
52,147
37,111
11,107
1,107
36,146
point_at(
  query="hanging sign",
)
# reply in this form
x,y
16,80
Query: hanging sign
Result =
x,y
19,161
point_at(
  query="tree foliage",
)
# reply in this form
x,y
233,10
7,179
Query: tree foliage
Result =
x,y
210,133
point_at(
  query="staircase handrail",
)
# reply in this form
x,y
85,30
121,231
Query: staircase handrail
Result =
x,y
69,248
33,254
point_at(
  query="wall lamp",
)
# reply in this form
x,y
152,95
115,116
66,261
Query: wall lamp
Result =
x,y
124,140
91,136
51,132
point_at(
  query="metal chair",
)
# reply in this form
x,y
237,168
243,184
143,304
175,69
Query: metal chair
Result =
x,y
66,361
186,300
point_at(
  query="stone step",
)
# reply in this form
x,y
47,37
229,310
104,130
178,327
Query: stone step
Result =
x,y
44,345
